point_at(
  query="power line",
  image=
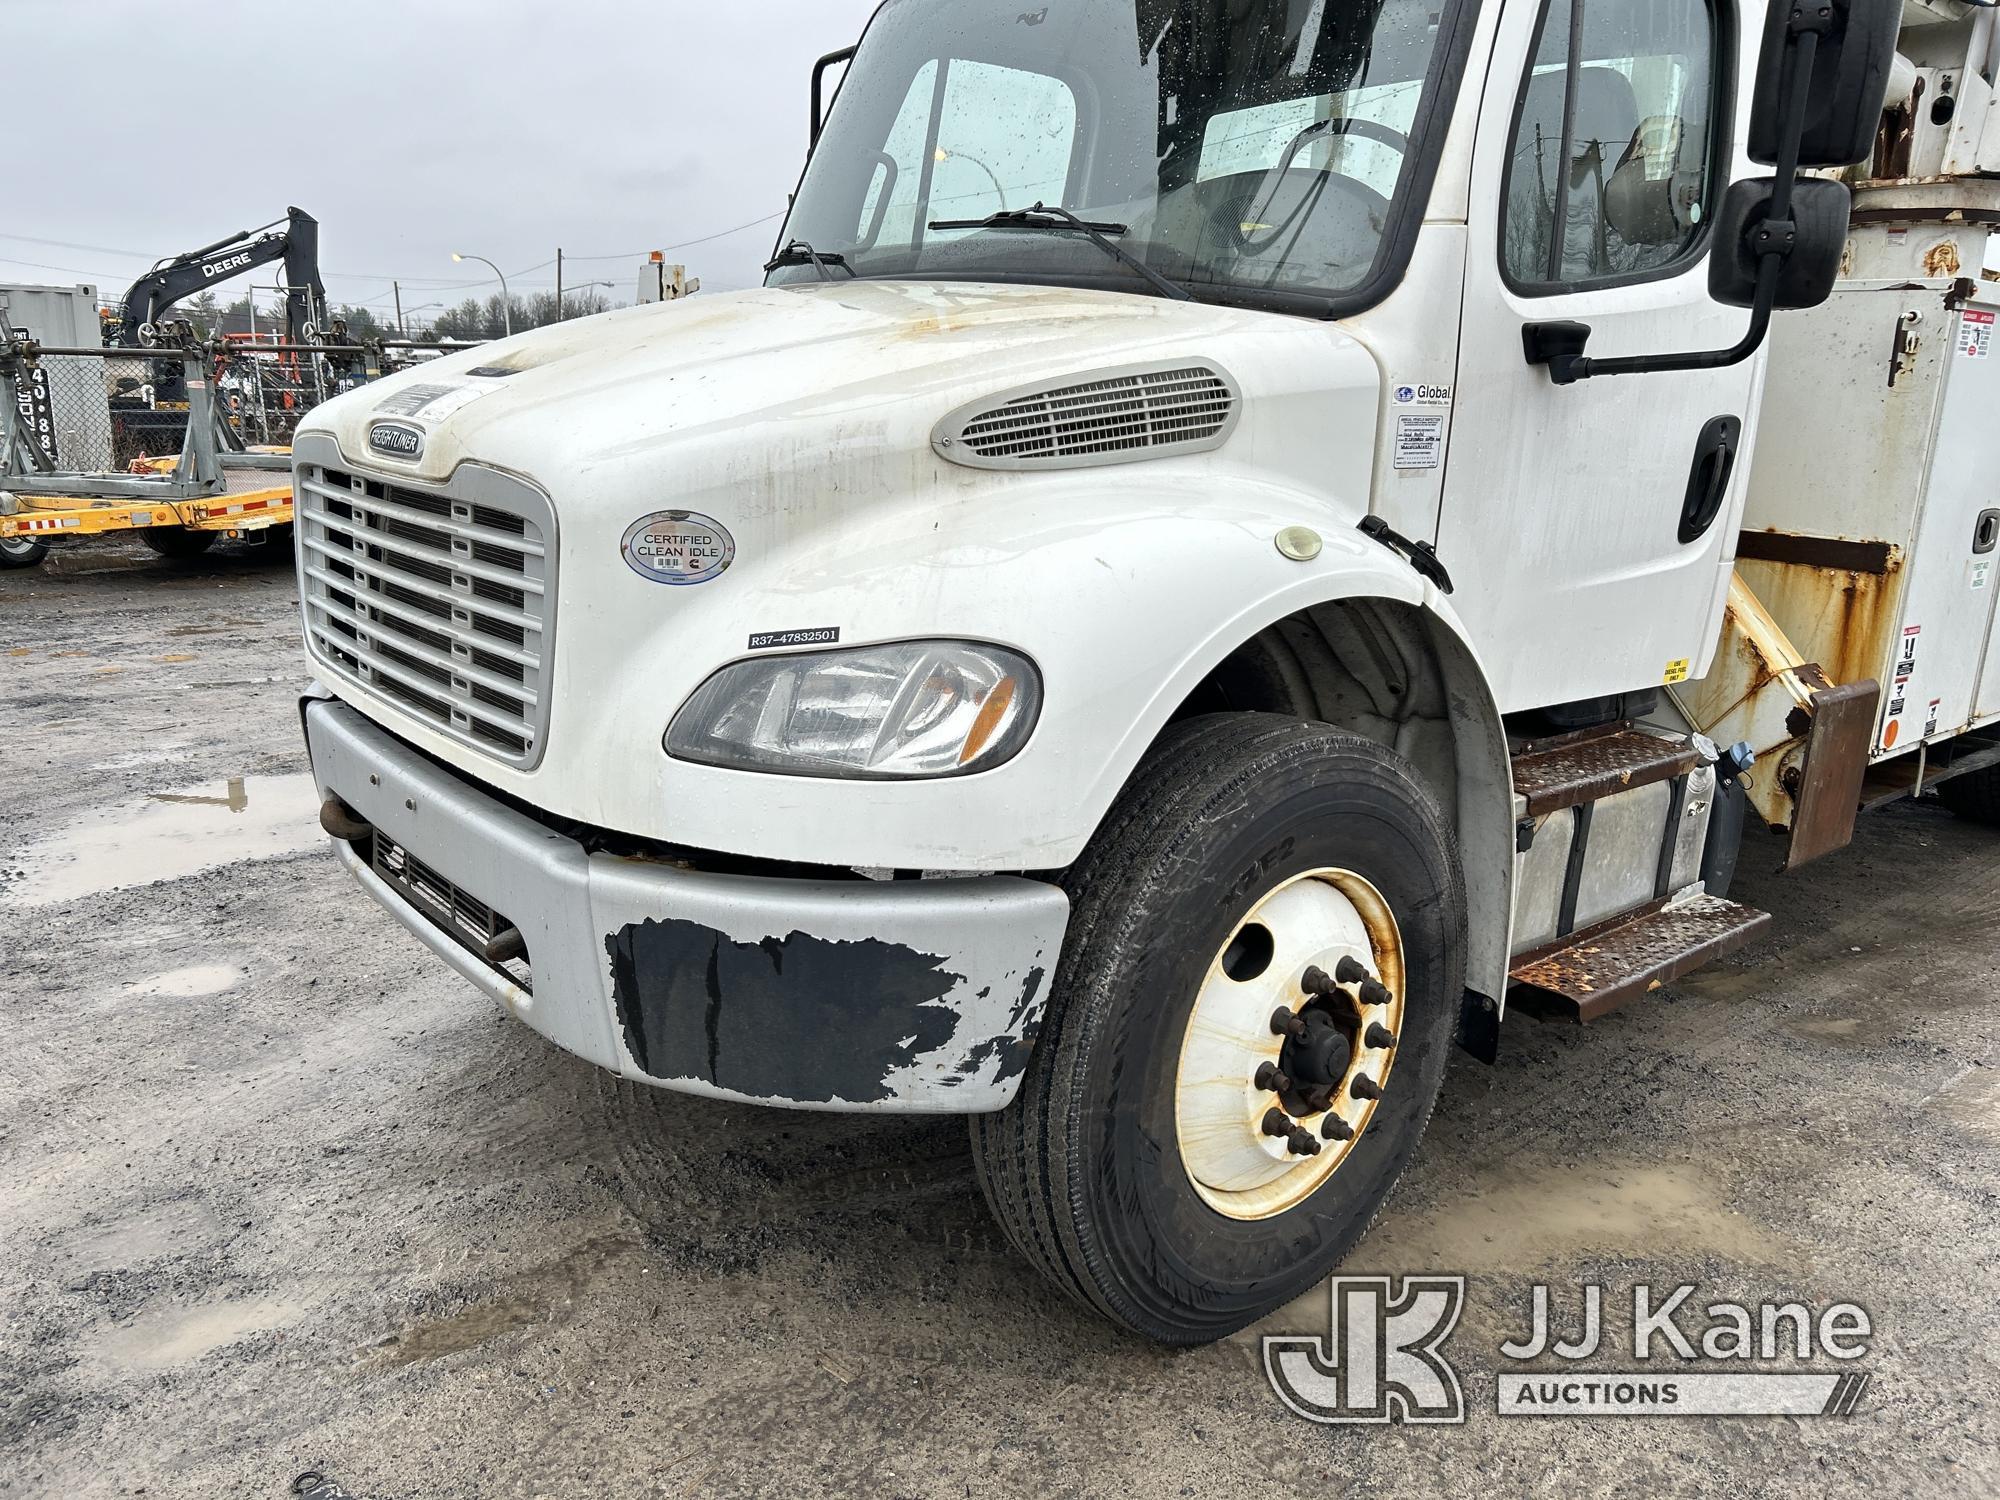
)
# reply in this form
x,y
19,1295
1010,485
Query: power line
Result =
x,y
416,283
684,244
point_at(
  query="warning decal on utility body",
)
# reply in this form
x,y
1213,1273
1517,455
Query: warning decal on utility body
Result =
x,y
1975,333
1899,690
1419,441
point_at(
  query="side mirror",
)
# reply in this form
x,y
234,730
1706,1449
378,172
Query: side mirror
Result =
x,y
1818,231
1850,75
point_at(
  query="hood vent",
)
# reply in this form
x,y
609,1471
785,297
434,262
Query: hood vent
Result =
x,y
1114,417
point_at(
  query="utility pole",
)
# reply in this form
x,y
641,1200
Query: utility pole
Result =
x,y
400,329
559,316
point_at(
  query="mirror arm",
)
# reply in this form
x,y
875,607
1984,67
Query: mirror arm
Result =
x,y
845,54
1560,345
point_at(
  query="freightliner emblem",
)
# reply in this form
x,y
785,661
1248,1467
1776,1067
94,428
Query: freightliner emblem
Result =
x,y
396,440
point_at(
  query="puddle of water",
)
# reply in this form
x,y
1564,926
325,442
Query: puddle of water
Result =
x,y
189,983
181,1335
147,1234
1972,1103
170,835
1524,1220
1845,1030
521,1301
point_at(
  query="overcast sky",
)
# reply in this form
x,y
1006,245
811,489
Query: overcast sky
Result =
x,y
410,129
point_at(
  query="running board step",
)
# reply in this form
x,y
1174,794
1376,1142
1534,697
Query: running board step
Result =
x,y
1600,969
1595,763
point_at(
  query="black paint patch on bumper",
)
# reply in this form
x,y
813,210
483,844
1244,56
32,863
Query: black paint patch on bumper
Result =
x,y
796,1018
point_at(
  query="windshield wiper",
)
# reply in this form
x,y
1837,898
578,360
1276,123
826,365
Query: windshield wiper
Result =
x,y
799,253
1041,216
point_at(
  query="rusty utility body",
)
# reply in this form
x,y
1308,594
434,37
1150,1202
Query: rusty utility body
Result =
x,y
1871,529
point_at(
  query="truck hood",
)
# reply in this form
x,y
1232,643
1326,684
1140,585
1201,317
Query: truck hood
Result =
x,y
797,423
796,361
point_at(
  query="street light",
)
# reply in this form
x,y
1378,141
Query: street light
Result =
x,y
506,302
942,155
581,286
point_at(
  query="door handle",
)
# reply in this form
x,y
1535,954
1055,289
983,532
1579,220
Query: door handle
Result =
x,y
1708,479
1986,532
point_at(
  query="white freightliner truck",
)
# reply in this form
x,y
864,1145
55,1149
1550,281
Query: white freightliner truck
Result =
x,y
1227,545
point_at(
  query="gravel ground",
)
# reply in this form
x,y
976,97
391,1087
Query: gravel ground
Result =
x,y
277,1193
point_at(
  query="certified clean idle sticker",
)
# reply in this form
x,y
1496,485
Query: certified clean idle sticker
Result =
x,y
678,546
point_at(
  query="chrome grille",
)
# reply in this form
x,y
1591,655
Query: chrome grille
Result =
x,y
438,598
1121,415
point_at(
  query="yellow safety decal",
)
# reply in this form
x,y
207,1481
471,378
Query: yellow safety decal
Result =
x,y
1677,671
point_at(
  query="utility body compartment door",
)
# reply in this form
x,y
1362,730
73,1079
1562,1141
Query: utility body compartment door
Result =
x,y
1562,507
1872,530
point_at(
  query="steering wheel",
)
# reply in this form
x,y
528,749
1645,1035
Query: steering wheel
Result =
x,y
1260,202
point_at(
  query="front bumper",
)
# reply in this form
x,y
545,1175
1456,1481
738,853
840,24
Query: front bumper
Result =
x,y
921,996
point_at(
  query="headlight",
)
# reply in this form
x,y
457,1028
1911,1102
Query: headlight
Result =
x,y
915,708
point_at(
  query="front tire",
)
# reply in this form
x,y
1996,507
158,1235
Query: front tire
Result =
x,y
22,552
1249,856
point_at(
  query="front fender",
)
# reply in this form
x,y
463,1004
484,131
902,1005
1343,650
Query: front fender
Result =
x,y
1479,793
1124,603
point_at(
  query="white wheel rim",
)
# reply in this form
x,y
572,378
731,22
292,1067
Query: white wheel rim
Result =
x,y
1314,921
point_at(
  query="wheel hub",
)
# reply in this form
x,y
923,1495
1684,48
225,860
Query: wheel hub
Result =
x,y
1290,1043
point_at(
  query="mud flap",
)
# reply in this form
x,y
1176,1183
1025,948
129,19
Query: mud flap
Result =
x,y
1827,796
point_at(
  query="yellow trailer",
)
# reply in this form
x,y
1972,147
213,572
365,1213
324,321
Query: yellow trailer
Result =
x,y
252,501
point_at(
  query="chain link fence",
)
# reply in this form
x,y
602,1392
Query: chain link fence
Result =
x,y
100,414
74,415
265,393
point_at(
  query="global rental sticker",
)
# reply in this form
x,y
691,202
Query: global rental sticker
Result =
x,y
1423,395
678,547
1419,442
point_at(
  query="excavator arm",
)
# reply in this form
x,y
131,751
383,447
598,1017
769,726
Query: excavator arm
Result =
x,y
297,244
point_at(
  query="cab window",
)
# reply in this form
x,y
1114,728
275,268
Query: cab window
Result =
x,y
1003,139
1611,171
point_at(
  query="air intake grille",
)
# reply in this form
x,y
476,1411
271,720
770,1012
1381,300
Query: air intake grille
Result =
x,y
440,599
470,922
1117,417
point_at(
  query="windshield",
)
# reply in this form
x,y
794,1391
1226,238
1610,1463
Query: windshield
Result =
x,y
1245,146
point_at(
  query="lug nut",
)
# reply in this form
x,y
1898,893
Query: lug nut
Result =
x,y
1314,980
1375,993
1271,1078
1337,1129
1285,1022
1379,1035
1277,1122
1364,1087
1350,970
1303,1143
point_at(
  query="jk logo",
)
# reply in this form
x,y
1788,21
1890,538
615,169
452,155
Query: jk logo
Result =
x,y
1380,1360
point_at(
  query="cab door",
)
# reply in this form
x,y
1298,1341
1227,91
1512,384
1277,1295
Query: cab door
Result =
x,y
1590,528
